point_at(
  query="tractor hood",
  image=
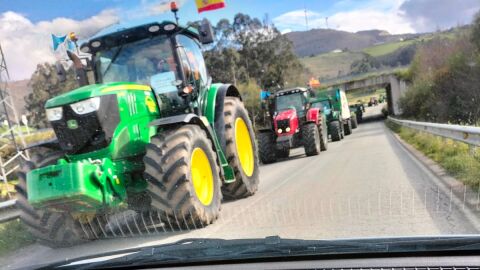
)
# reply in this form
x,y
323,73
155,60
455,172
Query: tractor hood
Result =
x,y
286,114
93,90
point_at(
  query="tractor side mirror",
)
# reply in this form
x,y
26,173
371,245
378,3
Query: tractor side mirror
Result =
x,y
61,73
206,32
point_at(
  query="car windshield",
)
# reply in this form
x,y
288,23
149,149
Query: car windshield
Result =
x,y
290,101
224,131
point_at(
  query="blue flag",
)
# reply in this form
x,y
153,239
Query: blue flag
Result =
x,y
57,41
264,94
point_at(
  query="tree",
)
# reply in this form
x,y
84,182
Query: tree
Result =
x,y
45,84
476,31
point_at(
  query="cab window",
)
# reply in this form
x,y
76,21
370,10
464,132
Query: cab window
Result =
x,y
192,60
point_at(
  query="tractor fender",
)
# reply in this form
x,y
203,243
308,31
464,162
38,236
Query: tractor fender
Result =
x,y
313,115
213,109
183,119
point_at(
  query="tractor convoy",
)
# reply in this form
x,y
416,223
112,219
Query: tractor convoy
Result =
x,y
152,144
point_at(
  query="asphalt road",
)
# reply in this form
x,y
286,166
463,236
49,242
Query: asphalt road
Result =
x,y
367,185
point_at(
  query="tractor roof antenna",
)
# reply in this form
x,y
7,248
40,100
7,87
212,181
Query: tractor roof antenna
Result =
x,y
174,9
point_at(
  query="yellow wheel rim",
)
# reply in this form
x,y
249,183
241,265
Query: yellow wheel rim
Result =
x,y
244,146
202,176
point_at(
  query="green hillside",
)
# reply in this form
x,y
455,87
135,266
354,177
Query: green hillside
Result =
x,y
328,65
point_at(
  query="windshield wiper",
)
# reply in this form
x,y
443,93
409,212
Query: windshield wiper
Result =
x,y
115,56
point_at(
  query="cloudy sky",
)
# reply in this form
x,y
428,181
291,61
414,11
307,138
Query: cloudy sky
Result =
x,y
25,25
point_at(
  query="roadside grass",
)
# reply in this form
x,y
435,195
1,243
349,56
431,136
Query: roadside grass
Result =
x,y
455,157
14,235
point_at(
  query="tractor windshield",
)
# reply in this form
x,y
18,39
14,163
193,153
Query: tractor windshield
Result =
x,y
292,101
147,61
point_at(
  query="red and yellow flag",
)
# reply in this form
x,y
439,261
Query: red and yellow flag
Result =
x,y
206,5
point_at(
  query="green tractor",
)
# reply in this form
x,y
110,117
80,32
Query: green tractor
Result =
x,y
334,104
152,141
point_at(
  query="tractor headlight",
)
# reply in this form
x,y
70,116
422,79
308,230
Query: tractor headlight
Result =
x,y
287,129
54,114
86,106
279,131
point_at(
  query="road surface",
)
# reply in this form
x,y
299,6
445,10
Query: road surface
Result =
x,y
367,185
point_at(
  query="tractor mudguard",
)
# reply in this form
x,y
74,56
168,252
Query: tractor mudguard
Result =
x,y
313,115
183,119
214,108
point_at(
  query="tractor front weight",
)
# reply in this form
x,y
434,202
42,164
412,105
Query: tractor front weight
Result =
x,y
80,186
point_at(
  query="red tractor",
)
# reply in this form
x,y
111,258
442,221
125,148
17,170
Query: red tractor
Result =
x,y
293,123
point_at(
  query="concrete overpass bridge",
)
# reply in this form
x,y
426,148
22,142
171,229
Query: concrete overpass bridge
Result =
x,y
395,87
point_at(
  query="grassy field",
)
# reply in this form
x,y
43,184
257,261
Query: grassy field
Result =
x,y
387,48
328,65
455,157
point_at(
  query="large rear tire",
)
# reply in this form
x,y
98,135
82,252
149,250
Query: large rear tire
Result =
x,y
335,131
183,176
241,150
53,229
266,145
311,139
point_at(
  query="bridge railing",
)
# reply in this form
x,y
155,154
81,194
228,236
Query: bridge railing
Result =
x,y
466,134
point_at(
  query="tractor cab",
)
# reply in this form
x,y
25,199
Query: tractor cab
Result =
x,y
162,55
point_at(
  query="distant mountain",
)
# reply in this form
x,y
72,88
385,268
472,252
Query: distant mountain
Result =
x,y
316,41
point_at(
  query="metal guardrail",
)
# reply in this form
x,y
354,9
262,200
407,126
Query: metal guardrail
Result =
x,y
466,134
8,211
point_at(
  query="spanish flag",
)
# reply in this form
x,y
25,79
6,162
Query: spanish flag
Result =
x,y
206,5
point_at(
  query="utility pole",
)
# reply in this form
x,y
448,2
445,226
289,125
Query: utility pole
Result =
x,y
326,21
12,133
306,18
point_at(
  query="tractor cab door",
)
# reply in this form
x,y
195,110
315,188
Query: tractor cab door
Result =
x,y
192,64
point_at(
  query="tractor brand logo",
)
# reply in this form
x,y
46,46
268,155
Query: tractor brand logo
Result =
x,y
72,124
151,105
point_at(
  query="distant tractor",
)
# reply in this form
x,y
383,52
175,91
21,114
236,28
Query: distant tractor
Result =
x,y
335,106
294,123
152,135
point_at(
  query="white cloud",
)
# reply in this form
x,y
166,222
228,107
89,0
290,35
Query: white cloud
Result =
x,y
375,14
367,19
26,44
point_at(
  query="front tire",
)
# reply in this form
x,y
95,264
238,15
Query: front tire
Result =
x,y
241,150
354,122
266,142
53,229
323,136
347,127
183,177
335,131
311,139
